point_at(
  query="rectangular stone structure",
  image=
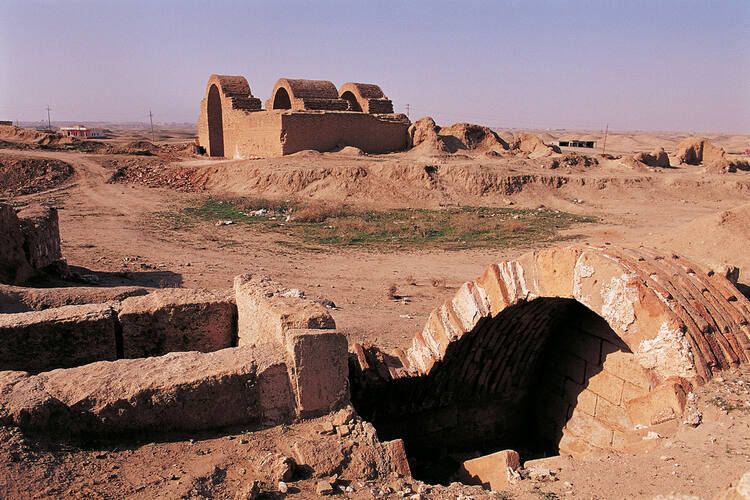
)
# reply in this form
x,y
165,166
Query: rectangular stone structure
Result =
x,y
320,370
267,310
172,319
62,337
490,471
178,391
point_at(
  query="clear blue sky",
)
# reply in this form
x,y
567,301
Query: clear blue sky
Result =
x,y
654,65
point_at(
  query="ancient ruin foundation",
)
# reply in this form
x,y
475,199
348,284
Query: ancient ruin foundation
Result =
x,y
300,115
570,350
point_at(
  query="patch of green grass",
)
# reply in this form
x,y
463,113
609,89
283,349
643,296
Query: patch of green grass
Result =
x,y
326,225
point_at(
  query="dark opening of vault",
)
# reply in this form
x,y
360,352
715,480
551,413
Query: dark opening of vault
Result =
x,y
215,123
352,100
281,99
512,382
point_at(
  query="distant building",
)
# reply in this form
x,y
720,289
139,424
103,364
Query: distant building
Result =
x,y
576,144
6,122
80,131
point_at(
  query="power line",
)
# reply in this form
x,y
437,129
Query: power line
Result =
x,y
151,118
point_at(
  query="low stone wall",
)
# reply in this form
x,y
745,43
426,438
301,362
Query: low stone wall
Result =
x,y
174,319
178,391
61,337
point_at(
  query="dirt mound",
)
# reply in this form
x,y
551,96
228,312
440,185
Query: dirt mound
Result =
x,y
20,175
718,239
348,151
697,150
468,136
657,158
27,136
532,146
422,130
726,166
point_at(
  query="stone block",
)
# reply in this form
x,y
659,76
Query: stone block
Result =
x,y
62,337
266,311
319,370
41,233
624,366
590,429
666,402
614,415
490,471
178,391
177,320
607,386
396,456
587,402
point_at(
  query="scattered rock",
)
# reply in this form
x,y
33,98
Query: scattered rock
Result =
x,y
249,492
323,488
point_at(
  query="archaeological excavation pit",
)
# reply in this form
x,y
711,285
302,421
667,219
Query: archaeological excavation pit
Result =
x,y
568,351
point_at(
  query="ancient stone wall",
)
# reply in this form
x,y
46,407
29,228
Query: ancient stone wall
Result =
x,y
301,114
29,241
288,371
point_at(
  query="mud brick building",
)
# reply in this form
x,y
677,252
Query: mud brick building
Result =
x,y
300,115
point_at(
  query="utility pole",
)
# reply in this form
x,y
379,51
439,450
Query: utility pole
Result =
x,y
151,117
49,121
407,111
606,130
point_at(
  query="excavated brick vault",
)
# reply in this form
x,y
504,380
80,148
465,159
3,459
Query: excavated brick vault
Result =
x,y
570,350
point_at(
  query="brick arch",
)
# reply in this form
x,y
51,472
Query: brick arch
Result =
x,y
224,93
585,342
366,97
307,95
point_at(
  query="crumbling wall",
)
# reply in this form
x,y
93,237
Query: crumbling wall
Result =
x,y
29,241
325,131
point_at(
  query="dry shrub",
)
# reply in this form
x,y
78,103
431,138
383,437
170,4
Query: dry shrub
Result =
x,y
318,212
515,226
392,292
437,282
410,280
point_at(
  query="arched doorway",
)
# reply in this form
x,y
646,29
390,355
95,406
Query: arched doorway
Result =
x,y
215,123
519,380
353,103
281,99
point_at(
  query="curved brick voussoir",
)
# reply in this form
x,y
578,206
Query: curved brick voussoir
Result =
x,y
676,318
236,90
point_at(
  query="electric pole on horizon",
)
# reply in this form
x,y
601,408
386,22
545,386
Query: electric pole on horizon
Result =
x,y
606,130
151,118
407,111
49,120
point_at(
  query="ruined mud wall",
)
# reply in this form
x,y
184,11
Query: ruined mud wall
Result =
x,y
325,131
29,241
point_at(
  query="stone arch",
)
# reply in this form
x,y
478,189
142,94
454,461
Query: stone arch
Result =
x,y
224,94
308,95
349,97
215,122
281,99
582,343
368,96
